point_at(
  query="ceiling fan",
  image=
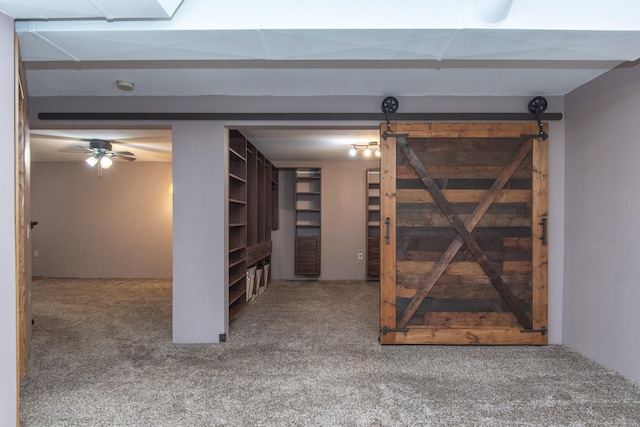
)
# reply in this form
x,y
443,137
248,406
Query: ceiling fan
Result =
x,y
101,147
101,153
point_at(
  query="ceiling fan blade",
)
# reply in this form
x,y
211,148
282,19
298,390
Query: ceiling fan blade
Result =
x,y
127,158
123,153
143,147
36,135
79,150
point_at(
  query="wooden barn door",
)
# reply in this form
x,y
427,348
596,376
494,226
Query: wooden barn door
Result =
x,y
463,247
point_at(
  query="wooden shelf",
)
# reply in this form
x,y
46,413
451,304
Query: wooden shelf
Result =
x,y
234,263
237,178
236,278
238,155
237,222
373,223
308,219
253,210
236,294
235,308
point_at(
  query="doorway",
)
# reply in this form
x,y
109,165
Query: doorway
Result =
x,y
109,223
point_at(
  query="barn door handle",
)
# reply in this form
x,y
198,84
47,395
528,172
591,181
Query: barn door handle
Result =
x,y
387,223
544,231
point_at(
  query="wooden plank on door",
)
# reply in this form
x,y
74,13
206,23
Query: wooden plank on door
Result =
x,y
539,247
467,130
466,336
388,237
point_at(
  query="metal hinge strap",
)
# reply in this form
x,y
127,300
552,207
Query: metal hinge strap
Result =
x,y
385,329
543,330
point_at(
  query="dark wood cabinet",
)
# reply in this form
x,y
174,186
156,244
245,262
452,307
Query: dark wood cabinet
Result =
x,y
308,221
308,256
252,215
373,223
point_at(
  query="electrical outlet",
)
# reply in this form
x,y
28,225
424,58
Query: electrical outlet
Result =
x,y
36,254
360,255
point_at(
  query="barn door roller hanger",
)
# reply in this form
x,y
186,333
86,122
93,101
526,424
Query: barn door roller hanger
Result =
x,y
537,106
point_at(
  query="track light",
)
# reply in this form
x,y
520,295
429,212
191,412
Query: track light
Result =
x,y
368,149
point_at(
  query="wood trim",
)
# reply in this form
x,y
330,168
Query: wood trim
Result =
x,y
21,133
466,336
540,258
387,251
463,196
472,130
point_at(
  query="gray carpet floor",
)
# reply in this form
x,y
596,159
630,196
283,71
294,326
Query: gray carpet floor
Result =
x,y
304,354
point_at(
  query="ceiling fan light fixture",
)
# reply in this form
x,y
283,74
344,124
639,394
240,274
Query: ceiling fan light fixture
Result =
x,y
92,161
106,162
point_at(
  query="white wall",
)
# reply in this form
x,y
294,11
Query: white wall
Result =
x,y
602,231
556,224
8,389
118,225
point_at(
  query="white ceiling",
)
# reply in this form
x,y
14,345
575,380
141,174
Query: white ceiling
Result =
x,y
291,48
278,144
148,145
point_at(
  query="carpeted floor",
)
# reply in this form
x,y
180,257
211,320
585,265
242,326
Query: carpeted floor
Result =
x,y
304,354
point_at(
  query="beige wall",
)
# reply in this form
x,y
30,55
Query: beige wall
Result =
x,y
118,225
343,224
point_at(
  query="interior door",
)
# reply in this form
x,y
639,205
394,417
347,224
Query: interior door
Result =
x,y
464,246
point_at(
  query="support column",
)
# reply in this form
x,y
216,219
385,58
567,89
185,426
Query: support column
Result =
x,y
199,232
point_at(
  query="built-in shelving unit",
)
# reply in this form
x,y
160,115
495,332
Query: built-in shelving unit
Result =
x,y
308,215
237,222
373,224
252,216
